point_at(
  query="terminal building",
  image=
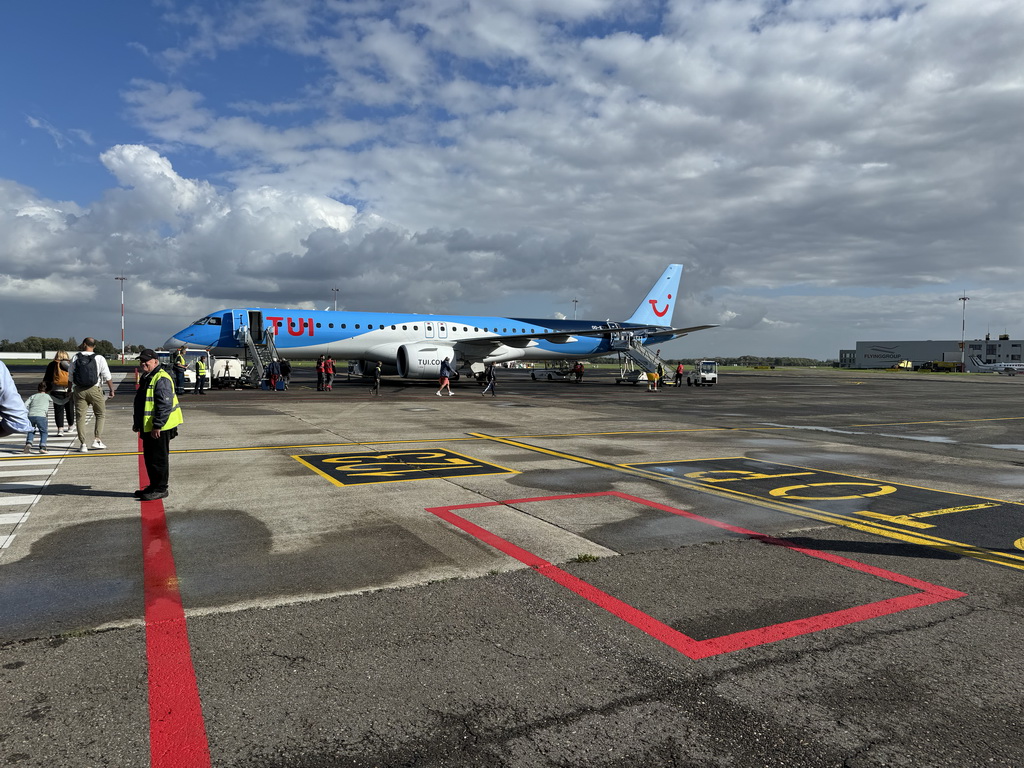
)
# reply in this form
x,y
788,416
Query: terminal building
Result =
x,y
886,354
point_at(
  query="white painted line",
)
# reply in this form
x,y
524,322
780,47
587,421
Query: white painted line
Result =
x,y
28,485
13,518
23,472
5,542
29,463
10,501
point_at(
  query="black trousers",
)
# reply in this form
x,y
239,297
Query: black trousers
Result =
x,y
156,455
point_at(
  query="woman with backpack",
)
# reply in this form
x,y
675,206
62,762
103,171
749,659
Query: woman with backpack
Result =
x,y
58,386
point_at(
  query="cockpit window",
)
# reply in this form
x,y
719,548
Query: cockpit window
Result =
x,y
207,321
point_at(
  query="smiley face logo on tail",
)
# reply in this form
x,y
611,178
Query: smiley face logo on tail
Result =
x,y
660,312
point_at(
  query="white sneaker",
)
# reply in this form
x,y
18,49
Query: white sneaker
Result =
x,y
450,394
84,448
438,393
28,449
98,445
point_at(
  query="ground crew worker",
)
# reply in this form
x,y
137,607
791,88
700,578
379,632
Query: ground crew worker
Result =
x,y
157,416
178,366
200,375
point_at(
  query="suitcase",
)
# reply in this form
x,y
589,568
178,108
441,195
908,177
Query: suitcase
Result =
x,y
280,385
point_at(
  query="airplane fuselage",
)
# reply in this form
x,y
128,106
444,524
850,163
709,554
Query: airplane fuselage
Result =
x,y
413,344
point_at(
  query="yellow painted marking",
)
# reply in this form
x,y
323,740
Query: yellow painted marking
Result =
x,y
743,475
883,490
1019,543
897,519
407,466
911,519
953,547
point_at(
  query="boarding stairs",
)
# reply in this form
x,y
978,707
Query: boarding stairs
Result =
x,y
261,352
632,348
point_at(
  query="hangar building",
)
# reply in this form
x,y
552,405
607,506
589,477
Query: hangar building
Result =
x,y
885,354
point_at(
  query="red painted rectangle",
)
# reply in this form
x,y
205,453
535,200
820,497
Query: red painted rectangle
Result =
x,y
927,593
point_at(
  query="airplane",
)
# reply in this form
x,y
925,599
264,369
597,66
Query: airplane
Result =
x,y
413,345
1009,368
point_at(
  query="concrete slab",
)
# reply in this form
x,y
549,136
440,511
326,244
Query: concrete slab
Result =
x,y
349,625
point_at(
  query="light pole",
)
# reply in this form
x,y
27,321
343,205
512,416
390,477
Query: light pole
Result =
x,y
963,324
335,292
574,303
122,278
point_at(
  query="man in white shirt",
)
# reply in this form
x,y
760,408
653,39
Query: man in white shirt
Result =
x,y
13,414
86,373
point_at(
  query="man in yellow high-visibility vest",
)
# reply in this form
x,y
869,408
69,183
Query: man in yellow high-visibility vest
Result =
x,y
200,375
157,417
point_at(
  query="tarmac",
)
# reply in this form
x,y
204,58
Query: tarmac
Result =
x,y
790,568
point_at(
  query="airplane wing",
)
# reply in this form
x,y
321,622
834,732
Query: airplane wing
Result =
x,y
484,345
645,330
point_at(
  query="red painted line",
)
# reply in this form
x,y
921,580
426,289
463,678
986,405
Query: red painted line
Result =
x,y
177,733
700,649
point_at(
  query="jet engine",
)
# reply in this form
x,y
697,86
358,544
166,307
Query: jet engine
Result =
x,y
423,361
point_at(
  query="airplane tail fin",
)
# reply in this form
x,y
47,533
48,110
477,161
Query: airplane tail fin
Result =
x,y
657,307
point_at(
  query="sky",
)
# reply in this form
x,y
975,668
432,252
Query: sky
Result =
x,y
827,171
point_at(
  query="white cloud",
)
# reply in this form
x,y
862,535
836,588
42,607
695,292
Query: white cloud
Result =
x,y
812,164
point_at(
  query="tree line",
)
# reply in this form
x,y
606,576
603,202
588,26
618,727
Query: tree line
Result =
x,y
750,361
41,345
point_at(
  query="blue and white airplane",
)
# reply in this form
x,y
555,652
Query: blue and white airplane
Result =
x,y
413,346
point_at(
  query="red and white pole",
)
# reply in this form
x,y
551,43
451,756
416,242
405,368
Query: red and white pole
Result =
x,y
122,278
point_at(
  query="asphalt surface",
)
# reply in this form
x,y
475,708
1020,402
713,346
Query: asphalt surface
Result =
x,y
812,568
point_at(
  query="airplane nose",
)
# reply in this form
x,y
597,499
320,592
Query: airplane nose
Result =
x,y
174,342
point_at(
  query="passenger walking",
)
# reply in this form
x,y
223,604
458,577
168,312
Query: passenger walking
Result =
x,y
273,374
58,385
444,378
179,366
680,370
156,418
329,373
286,372
38,406
200,375
320,373
577,371
491,378
375,388
87,372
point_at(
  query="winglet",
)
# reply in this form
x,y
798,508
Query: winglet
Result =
x,y
659,304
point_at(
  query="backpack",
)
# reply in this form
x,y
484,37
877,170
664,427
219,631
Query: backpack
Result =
x,y
86,373
60,375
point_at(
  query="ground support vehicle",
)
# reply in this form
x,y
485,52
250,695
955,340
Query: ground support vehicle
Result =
x,y
704,374
226,373
559,369
629,372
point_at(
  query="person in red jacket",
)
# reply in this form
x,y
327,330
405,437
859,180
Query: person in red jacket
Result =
x,y
320,373
328,373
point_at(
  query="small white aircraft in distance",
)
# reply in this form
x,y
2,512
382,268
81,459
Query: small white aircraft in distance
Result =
x,y
1009,368
413,346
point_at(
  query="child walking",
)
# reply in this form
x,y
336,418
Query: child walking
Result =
x,y
38,416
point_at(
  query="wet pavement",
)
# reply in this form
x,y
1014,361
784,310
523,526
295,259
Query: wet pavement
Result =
x,y
790,568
